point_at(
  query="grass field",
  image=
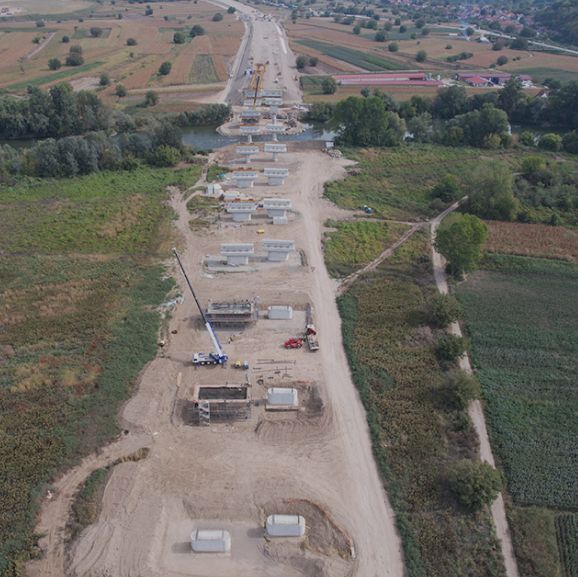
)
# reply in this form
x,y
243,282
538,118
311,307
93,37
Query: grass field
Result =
x,y
396,182
522,320
414,438
203,70
370,62
352,244
79,283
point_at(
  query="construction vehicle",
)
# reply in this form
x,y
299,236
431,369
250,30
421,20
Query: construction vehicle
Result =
x,y
293,343
241,365
257,80
217,357
311,337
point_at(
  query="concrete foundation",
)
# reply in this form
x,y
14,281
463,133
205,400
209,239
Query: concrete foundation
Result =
x,y
278,250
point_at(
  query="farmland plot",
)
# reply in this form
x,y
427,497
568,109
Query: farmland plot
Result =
x,y
522,318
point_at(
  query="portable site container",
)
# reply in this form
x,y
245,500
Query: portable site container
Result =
x,y
285,526
210,541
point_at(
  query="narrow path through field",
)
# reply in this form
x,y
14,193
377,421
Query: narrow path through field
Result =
x,y
476,413
415,226
41,46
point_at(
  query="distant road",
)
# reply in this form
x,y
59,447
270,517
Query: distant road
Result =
x,y
509,37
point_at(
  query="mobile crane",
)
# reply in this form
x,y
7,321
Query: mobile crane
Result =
x,y
218,357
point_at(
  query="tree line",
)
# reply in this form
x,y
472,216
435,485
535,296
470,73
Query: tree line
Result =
x,y
453,118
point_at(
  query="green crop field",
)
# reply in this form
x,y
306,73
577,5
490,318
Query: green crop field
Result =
x,y
354,243
79,283
414,437
370,62
522,316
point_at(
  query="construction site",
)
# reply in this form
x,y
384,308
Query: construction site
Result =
x,y
259,458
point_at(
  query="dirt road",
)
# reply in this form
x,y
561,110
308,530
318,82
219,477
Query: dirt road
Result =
x,y
476,413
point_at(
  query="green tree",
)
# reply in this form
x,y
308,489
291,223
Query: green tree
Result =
x,y
443,310
475,484
96,31
65,39
519,44
460,389
490,192
393,46
421,56
217,17
367,122
131,42
447,189
460,239
357,29
54,64
179,38
301,62
329,85
104,79
450,102
74,59
120,91
165,68
40,24
402,29
231,10
151,98
502,60
449,348
313,61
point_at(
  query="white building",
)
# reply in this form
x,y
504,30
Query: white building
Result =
x,y
210,541
285,526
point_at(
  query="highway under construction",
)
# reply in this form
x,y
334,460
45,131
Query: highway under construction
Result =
x,y
259,460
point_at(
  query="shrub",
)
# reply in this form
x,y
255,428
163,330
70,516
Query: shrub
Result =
x,y
151,98
450,348
550,141
196,30
165,68
393,47
474,484
402,29
40,24
460,389
447,189
357,29
502,60
65,39
313,61
96,32
54,64
301,62
443,310
421,56
231,10
76,49
104,79
165,156
120,91
380,36
131,42
329,85
74,59
526,138
179,38
217,17
490,193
